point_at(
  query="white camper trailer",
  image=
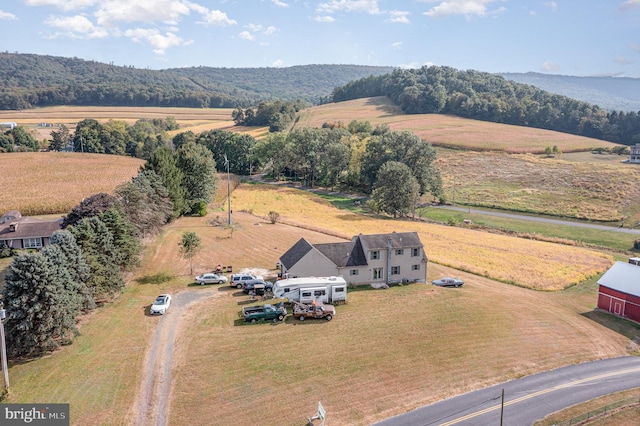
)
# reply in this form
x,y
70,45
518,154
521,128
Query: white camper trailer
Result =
x,y
308,289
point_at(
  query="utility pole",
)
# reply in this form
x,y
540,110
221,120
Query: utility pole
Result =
x,y
226,163
3,349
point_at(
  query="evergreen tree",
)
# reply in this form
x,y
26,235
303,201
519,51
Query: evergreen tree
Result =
x,y
123,231
163,163
146,202
38,317
76,264
102,257
89,207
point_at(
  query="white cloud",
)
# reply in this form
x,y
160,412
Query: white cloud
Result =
x,y
463,7
549,67
254,27
325,19
635,47
77,26
368,6
160,42
167,11
246,35
62,4
277,63
7,16
270,30
552,5
399,17
217,18
630,4
397,45
279,3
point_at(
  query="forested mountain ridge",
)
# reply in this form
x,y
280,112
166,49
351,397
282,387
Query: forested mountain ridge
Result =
x,y
28,81
611,93
491,97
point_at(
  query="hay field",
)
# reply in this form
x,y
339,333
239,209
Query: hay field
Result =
x,y
585,190
195,119
448,131
532,264
39,183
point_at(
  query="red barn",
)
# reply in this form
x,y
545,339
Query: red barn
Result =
x,y
619,291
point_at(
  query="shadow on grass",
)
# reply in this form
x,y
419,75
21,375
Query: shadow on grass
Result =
x,y
622,326
159,278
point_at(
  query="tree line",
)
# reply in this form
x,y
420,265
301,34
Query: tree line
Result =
x,y
489,97
46,291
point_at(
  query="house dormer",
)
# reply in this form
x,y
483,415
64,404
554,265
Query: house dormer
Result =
x,y
13,226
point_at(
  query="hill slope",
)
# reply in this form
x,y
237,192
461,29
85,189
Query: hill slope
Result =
x,y
28,81
612,93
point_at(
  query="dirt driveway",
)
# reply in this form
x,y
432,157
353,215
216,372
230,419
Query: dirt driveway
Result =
x,y
152,402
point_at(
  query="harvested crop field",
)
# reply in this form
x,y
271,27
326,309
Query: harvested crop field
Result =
x,y
448,131
552,186
533,264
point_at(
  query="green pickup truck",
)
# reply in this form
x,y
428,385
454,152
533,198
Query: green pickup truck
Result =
x,y
264,312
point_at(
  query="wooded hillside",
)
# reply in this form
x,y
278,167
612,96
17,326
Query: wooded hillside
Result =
x,y
29,81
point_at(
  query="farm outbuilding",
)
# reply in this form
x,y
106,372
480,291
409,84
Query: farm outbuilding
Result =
x,y
619,291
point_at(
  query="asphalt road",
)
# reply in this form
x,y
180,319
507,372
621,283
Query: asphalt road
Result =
x,y
543,219
528,399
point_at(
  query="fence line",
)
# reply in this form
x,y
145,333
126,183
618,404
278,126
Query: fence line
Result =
x,y
599,411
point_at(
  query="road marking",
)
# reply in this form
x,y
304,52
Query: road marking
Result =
x,y
541,392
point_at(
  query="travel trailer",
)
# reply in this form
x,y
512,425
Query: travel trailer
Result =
x,y
308,289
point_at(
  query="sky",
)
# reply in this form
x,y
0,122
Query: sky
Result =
x,y
568,37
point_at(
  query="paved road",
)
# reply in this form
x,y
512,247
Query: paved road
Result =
x,y
528,399
543,219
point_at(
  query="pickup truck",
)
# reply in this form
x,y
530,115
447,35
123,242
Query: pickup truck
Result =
x,y
315,310
265,312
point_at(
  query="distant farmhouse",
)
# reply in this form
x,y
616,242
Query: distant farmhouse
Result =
x,y
634,157
619,290
9,125
20,232
366,259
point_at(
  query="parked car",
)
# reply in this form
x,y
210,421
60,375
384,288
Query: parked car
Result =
x,y
237,280
448,282
211,278
249,286
161,304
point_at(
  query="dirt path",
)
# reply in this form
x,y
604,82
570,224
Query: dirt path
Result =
x,y
152,402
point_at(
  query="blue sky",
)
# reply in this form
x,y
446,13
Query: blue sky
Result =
x,y
570,37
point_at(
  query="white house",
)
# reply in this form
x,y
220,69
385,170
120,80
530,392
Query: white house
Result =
x,y
366,259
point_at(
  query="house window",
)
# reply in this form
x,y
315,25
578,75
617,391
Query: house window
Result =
x,y
377,273
375,255
395,270
415,252
32,242
353,272
415,267
399,252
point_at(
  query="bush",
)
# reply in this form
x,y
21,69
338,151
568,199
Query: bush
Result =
x,y
199,209
274,216
636,244
5,250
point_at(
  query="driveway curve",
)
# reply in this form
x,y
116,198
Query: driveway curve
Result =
x,y
530,398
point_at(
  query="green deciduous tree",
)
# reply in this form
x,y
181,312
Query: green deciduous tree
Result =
x,y
199,170
189,247
395,190
59,138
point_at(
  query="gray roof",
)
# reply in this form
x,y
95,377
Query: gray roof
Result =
x,y
29,227
295,253
342,254
398,240
623,277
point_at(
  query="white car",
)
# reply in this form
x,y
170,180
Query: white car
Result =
x,y
210,278
161,304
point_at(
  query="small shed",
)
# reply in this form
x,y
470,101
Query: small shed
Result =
x,y
619,291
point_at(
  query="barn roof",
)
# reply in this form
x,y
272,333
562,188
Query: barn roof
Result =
x,y
623,277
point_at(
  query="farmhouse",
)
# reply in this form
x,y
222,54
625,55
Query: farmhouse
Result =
x,y
634,157
619,290
366,259
20,232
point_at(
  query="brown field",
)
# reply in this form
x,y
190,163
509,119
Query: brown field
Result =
x,y
54,182
448,131
377,358
499,257
195,119
598,191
